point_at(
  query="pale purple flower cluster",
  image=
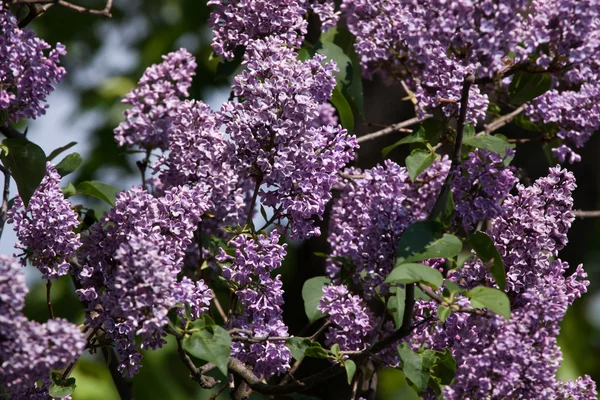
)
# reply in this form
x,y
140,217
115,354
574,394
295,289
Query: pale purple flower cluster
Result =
x,y
155,101
29,351
325,9
45,227
276,142
518,358
130,265
352,322
261,296
479,185
239,22
27,74
199,154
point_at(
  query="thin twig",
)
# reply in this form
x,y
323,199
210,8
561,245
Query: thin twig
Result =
x,y
218,306
196,374
103,13
48,300
503,120
393,128
351,177
462,116
587,214
440,300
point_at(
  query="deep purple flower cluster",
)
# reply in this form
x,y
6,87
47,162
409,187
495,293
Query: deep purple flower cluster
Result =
x,y
352,322
155,102
45,227
517,358
239,22
273,130
479,185
261,297
371,214
27,74
29,351
131,261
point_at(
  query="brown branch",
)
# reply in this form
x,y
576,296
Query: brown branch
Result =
x,y
196,374
218,306
48,300
440,300
503,120
462,116
393,128
587,214
5,196
103,13
351,177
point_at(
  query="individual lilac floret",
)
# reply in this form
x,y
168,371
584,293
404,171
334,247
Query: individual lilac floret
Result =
x,y
148,123
272,128
29,351
479,185
352,322
45,227
563,153
200,154
130,266
237,22
261,296
27,74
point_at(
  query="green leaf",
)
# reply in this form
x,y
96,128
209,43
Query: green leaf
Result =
x,y
59,387
490,298
487,252
418,161
417,136
526,86
26,162
98,190
443,313
343,108
69,191
451,288
396,304
494,143
312,292
209,342
69,164
416,366
412,273
523,121
59,150
303,54
350,370
444,367
335,349
421,241
315,350
298,346
444,208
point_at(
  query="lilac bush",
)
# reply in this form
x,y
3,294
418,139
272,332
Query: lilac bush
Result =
x,y
445,266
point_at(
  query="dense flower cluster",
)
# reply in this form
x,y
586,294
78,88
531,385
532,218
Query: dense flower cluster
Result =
x,y
130,265
275,139
351,321
29,351
479,186
45,227
261,297
27,74
517,358
155,101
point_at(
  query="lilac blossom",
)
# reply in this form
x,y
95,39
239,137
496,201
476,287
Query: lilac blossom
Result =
x,y
352,322
130,266
28,72
154,103
479,185
45,227
276,142
29,351
325,9
238,22
261,296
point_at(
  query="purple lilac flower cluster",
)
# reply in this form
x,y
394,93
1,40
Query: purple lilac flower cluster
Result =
x,y
352,322
518,358
479,185
261,298
130,265
275,139
155,102
29,351
45,227
371,214
27,74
